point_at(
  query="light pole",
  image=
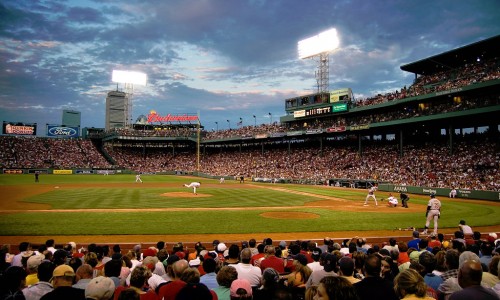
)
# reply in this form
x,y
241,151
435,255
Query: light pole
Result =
x,y
217,125
229,124
254,121
271,118
241,121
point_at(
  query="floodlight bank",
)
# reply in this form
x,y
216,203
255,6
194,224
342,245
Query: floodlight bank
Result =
x,y
129,77
324,42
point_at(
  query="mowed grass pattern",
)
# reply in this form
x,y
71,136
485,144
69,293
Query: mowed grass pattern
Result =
x,y
144,197
101,192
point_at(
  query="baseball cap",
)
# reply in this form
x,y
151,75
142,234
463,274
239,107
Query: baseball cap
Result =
x,y
215,242
462,222
148,252
221,247
346,263
34,261
171,259
63,270
195,262
415,255
73,245
329,262
180,254
237,285
100,288
316,253
301,258
150,262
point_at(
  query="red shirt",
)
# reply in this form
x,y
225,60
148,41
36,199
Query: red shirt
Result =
x,y
255,258
149,295
169,291
273,262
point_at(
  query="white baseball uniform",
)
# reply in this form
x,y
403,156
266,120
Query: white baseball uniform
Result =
x,y
138,178
193,185
371,194
393,201
433,213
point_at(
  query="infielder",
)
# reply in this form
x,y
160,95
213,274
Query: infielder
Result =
x,y
433,212
221,180
371,194
138,178
392,201
193,185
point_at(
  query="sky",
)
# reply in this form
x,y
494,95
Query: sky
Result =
x,y
221,59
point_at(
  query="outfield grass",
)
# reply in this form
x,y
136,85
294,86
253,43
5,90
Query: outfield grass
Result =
x,y
110,193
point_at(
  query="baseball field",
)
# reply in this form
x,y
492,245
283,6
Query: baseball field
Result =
x,y
114,208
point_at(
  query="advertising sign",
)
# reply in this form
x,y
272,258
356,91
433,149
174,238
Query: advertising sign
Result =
x,y
318,111
63,172
341,95
62,131
19,128
336,129
299,113
359,127
153,117
338,107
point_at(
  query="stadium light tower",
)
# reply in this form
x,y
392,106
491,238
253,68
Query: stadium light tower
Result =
x,y
320,46
128,79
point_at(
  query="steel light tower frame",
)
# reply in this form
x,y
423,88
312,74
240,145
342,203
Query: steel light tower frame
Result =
x,y
320,46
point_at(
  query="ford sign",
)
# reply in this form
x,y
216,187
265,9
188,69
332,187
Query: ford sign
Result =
x,y
62,131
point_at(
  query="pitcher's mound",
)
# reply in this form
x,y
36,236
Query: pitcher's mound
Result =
x,y
184,195
289,215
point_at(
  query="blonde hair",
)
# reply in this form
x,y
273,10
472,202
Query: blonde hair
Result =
x,y
311,292
411,282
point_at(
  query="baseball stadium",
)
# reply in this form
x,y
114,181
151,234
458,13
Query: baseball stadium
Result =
x,y
303,177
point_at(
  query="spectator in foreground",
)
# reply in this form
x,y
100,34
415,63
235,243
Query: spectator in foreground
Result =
x,y
469,279
100,288
62,280
246,270
373,287
12,282
336,287
43,286
225,277
410,285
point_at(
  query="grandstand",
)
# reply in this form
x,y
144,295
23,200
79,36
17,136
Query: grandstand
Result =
x,y
442,132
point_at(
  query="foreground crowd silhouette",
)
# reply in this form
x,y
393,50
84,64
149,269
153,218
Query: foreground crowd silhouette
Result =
x,y
463,266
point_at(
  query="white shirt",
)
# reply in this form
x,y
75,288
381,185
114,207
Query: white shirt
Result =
x,y
249,272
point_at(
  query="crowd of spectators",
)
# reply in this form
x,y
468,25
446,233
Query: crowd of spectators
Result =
x,y
35,152
474,164
472,73
431,267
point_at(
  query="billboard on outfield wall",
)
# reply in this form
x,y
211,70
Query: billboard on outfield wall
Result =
x,y
14,128
62,172
63,131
